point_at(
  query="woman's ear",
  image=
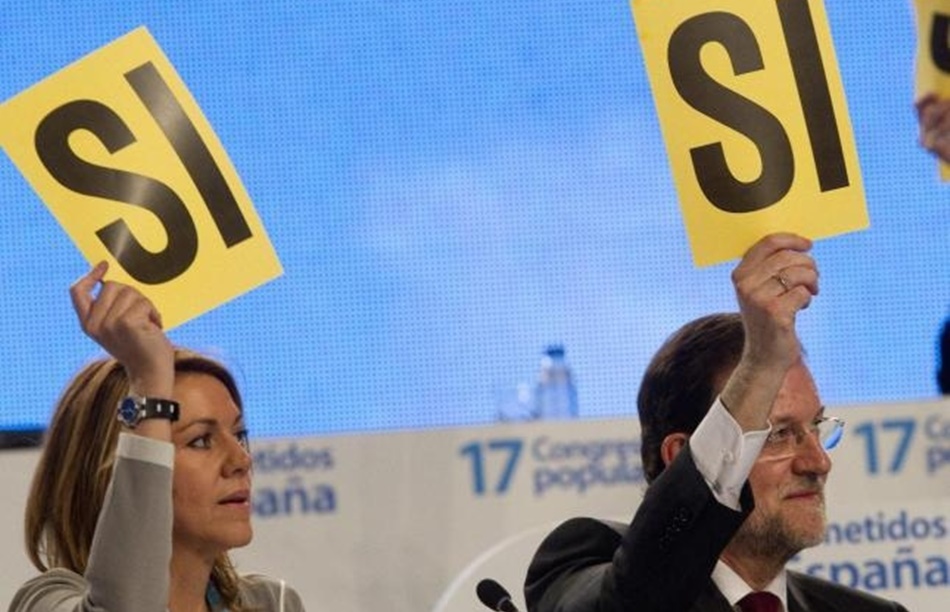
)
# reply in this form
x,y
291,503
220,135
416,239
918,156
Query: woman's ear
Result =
x,y
671,446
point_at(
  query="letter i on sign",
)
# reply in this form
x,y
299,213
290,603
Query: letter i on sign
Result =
x,y
127,163
754,119
933,54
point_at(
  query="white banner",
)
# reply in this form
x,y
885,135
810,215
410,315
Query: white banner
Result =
x,y
412,521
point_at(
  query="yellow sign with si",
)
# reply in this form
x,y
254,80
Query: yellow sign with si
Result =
x,y
754,118
125,160
933,54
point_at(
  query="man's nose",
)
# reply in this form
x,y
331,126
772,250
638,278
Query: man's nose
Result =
x,y
811,456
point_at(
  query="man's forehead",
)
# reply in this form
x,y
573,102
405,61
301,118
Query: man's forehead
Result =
x,y
797,399
798,416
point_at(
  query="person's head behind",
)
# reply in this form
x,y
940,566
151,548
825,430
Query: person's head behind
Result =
x,y
75,467
683,379
943,373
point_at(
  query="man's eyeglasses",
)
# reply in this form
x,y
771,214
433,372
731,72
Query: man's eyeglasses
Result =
x,y
785,438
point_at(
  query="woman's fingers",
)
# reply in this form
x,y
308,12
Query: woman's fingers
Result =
x,y
81,292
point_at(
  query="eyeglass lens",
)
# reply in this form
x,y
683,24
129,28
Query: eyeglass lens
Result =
x,y
830,433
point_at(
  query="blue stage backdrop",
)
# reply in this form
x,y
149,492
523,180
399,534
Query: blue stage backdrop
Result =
x,y
451,187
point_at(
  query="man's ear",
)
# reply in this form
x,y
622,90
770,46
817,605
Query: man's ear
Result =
x,y
671,446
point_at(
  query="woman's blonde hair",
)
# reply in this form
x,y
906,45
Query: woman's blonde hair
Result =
x,y
75,468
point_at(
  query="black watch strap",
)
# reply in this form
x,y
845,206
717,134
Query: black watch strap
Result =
x,y
133,409
154,408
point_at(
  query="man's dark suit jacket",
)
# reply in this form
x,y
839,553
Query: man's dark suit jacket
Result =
x,y
662,561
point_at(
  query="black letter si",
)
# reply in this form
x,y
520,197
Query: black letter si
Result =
x,y
724,190
52,146
940,42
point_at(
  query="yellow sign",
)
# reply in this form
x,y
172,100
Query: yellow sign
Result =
x,y
933,54
755,121
124,158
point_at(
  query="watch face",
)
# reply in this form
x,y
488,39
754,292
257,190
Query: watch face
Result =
x,y
129,411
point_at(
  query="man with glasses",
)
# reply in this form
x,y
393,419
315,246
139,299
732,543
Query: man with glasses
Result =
x,y
734,445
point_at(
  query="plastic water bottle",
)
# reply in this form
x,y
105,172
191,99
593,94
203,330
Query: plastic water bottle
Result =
x,y
555,395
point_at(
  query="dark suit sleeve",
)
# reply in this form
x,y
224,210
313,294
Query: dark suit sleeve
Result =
x,y
660,563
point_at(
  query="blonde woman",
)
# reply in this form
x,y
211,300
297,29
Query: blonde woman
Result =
x,y
144,483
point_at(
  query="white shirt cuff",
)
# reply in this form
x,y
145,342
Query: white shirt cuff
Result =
x,y
724,455
145,449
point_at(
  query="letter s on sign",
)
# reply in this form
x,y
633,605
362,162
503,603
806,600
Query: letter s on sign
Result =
x,y
712,99
940,42
733,110
52,146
